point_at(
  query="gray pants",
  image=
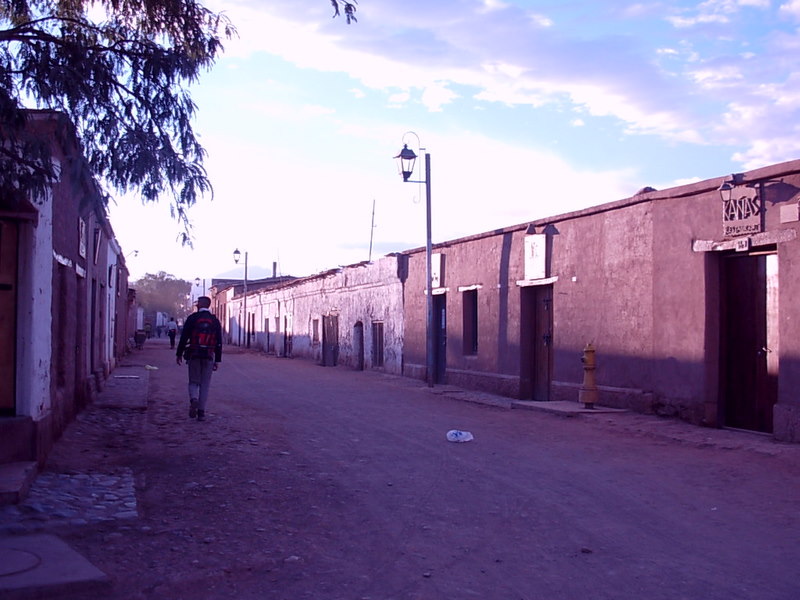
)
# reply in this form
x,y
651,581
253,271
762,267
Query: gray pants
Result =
x,y
200,370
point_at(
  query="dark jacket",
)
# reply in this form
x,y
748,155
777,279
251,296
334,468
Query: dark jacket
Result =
x,y
184,347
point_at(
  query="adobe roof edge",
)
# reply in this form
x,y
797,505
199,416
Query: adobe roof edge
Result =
x,y
775,171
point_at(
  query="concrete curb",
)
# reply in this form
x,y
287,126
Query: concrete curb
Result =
x,y
37,566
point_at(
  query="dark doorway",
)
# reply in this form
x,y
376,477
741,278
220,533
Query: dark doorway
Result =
x,y
330,340
440,338
287,338
536,341
8,316
358,345
749,340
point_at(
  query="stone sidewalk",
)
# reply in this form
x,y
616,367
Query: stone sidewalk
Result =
x,y
34,561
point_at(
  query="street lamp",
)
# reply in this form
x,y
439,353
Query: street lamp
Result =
x,y
726,189
236,256
406,161
197,285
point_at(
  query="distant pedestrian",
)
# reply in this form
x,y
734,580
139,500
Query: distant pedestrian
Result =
x,y
201,346
172,330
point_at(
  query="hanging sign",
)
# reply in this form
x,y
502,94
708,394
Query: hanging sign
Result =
x,y
742,213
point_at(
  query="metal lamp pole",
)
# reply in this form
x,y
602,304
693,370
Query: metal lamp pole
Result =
x,y
197,283
236,255
428,271
407,158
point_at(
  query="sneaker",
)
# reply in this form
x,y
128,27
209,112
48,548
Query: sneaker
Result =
x,y
192,409
201,415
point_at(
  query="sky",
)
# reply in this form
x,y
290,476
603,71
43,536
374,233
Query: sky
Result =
x,y
527,108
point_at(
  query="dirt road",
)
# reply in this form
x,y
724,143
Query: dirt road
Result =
x,y
312,482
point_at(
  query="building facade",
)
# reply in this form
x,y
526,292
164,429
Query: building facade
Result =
x,y
351,316
686,294
63,299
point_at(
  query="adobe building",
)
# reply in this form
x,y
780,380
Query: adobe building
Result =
x,y
688,295
350,316
63,296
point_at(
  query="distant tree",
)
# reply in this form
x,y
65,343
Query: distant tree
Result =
x,y
163,293
119,70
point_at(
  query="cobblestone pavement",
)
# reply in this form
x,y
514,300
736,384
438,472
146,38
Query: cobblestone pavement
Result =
x,y
74,491
72,499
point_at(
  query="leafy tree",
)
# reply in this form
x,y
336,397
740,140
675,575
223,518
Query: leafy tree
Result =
x,y
119,70
163,293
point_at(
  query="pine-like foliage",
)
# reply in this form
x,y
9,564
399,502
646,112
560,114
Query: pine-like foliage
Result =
x,y
119,70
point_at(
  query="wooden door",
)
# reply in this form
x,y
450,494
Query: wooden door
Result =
x,y
8,316
330,340
358,345
536,342
749,344
440,338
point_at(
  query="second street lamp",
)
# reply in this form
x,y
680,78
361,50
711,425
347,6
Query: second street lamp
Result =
x,y
406,160
236,256
197,282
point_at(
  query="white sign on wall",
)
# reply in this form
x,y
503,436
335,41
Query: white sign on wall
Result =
x,y
437,270
536,256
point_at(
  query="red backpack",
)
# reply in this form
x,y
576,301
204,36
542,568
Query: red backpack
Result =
x,y
203,338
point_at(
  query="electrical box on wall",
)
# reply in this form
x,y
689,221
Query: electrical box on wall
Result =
x,y
790,213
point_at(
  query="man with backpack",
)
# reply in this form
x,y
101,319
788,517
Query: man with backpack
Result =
x,y
201,346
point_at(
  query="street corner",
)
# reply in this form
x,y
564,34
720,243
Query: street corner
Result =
x,y
42,565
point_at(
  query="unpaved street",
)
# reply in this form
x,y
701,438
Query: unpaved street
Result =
x,y
312,482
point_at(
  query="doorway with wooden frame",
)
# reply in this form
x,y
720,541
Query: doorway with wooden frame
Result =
x,y
536,342
330,340
8,316
749,354
440,338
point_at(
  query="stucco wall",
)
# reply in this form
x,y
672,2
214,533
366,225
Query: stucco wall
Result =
x,y
488,266
55,307
286,316
34,301
640,279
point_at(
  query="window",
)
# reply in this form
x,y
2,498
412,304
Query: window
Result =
x,y
470,304
377,344
315,331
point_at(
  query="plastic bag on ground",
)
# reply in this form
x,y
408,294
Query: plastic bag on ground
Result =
x,y
456,435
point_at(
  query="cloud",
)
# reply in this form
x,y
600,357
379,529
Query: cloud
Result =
x,y
791,9
437,95
684,22
492,5
624,64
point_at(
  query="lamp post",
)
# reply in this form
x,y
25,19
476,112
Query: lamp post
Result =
x,y
197,283
406,160
236,256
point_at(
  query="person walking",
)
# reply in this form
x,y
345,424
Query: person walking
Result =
x,y
201,345
172,330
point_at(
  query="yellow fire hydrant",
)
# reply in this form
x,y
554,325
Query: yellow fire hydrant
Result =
x,y
588,392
